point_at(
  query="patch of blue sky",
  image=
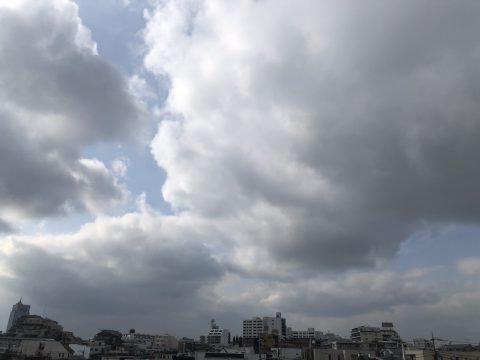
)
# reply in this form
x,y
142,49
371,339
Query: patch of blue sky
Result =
x,y
116,28
143,175
440,247
61,224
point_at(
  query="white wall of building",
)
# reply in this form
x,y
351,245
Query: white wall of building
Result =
x,y
45,348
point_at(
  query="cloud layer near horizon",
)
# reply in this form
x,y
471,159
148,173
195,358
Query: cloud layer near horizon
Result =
x,y
303,144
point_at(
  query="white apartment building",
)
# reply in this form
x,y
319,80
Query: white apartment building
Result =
x,y
219,337
43,348
253,328
310,333
267,325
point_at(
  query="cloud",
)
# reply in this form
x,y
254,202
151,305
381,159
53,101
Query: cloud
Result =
x,y
332,132
140,265
299,141
469,266
120,166
5,227
57,96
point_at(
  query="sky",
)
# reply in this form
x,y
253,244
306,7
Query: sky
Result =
x,y
166,162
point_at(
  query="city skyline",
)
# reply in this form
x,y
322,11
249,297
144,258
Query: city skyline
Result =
x,y
270,325
165,162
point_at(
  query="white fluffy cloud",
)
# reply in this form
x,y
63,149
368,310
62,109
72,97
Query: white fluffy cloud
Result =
x,y
331,131
57,96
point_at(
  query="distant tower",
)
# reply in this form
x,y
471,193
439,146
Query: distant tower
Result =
x,y
18,310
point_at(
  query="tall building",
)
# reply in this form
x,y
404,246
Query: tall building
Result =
x,y
267,325
253,328
275,325
18,310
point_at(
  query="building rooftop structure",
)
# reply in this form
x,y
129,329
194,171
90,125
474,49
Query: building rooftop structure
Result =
x,y
385,336
35,326
18,310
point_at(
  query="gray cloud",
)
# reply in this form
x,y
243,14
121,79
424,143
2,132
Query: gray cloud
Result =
x,y
315,139
340,128
135,265
49,67
5,227
57,96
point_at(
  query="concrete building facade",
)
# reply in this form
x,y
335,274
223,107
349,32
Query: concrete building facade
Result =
x,y
218,337
386,336
44,348
255,327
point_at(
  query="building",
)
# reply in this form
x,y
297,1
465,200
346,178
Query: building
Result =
x,y
18,310
253,328
256,327
106,342
389,334
79,351
44,348
166,342
420,343
304,338
9,345
35,326
310,333
366,334
287,353
385,336
217,336
275,325
343,350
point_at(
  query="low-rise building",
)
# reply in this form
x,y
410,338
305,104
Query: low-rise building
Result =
x,y
35,326
366,334
310,333
166,342
218,337
106,342
385,337
420,343
343,350
44,348
286,353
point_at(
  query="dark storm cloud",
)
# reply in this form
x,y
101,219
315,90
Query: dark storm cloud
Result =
x,y
57,95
